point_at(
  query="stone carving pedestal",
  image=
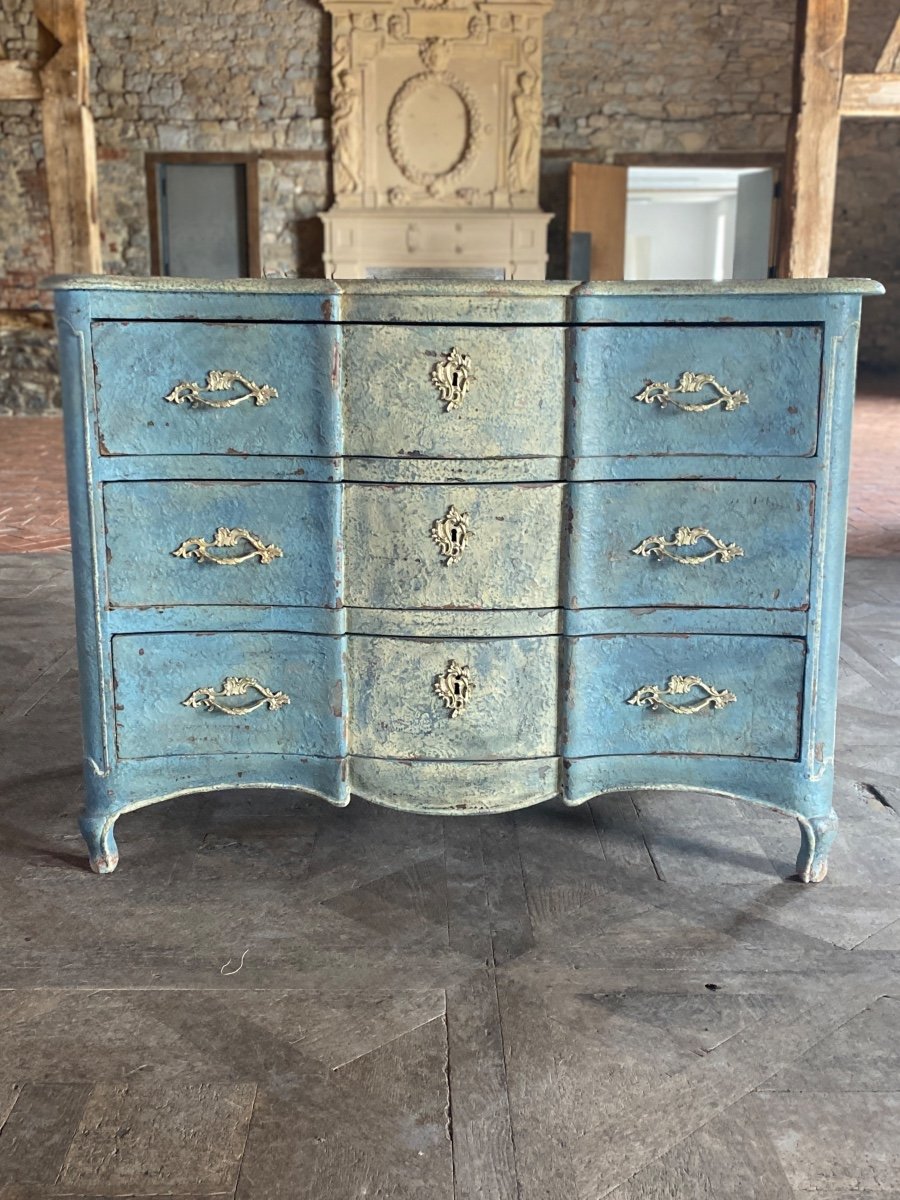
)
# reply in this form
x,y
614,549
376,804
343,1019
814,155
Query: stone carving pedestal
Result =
x,y
436,122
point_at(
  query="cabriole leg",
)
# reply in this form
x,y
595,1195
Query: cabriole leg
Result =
x,y
816,836
101,844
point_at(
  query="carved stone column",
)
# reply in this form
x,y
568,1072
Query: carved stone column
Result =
x,y
436,126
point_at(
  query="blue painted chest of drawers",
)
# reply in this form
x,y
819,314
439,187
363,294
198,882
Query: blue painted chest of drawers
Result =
x,y
458,548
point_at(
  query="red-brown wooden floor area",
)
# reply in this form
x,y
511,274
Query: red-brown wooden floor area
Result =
x,y
33,510
33,514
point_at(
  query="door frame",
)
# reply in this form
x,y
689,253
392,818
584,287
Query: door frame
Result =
x,y
250,163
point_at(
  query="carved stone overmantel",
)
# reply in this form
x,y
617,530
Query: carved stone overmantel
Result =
x,y
436,123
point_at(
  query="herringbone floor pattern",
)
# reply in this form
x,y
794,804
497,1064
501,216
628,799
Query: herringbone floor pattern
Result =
x,y
272,998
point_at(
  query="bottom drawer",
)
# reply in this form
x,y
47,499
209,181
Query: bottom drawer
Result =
x,y
402,697
677,694
227,693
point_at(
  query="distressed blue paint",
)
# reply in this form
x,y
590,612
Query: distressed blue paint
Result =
x,y
770,522
764,674
397,714
138,363
155,673
146,522
557,621
393,410
511,557
778,367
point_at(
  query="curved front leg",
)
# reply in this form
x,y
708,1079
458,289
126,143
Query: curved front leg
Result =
x,y
816,836
101,844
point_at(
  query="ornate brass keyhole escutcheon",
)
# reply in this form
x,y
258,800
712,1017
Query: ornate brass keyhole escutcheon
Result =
x,y
451,533
452,375
454,687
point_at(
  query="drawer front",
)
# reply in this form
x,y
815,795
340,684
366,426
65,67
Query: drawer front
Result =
x,y
444,546
405,394
405,240
640,390
697,544
221,543
404,693
158,390
284,694
746,699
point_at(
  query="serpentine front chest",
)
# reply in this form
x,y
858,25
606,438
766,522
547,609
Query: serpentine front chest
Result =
x,y
458,547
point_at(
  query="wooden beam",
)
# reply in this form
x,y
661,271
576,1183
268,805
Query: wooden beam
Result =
x,y
69,146
889,60
808,209
18,81
871,96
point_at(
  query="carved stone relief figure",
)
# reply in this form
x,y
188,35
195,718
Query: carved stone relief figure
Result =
x,y
526,134
345,134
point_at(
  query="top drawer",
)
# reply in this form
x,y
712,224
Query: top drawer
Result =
x,y
454,391
170,387
738,390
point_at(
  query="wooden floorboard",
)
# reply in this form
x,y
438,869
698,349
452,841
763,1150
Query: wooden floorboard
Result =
x,y
273,998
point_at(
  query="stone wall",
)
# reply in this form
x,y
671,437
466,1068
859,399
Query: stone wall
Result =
x,y
690,76
29,382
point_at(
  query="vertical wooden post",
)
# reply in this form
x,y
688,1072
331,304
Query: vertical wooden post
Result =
x,y
69,146
811,171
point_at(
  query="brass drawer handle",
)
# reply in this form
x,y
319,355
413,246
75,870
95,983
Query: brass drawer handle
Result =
x,y
662,547
211,700
454,687
653,697
199,548
451,533
451,375
221,381
690,383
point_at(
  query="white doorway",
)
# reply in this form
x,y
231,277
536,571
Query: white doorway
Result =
x,y
670,222
698,223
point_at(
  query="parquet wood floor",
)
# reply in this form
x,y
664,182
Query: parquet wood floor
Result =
x,y
273,998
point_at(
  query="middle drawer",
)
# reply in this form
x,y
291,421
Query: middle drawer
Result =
x,y
418,545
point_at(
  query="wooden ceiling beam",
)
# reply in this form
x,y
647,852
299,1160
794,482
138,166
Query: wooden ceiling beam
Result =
x,y
889,59
871,95
69,143
60,83
18,81
812,150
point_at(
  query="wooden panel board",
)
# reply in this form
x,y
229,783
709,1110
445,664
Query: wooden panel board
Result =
x,y
597,197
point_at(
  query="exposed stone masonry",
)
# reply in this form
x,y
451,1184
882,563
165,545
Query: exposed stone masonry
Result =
x,y
690,76
28,375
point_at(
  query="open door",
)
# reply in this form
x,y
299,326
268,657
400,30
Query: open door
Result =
x,y
753,225
597,199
